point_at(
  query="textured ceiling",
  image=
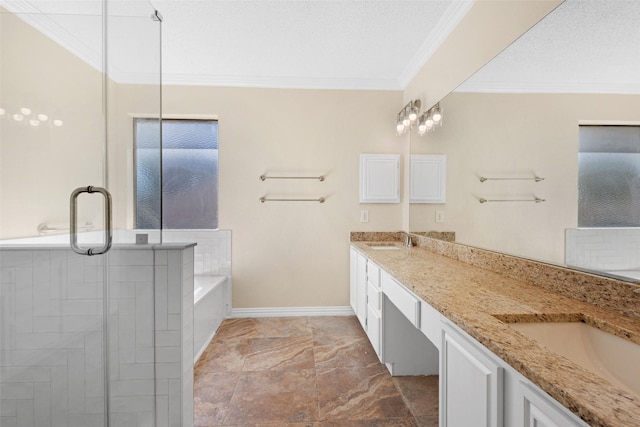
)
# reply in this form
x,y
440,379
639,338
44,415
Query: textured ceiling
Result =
x,y
325,44
583,46
334,44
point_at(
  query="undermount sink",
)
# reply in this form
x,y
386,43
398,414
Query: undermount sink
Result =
x,y
609,356
385,248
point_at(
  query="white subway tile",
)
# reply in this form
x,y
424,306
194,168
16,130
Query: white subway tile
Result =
x,y
16,258
24,409
132,404
169,370
46,340
139,257
42,405
32,374
83,307
168,355
122,388
136,371
14,391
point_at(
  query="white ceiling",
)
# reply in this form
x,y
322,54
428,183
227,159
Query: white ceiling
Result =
x,y
329,44
583,46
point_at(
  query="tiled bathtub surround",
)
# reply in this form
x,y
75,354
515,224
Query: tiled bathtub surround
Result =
x,y
52,343
607,249
212,253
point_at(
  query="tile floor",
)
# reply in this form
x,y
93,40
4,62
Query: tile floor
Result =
x,y
305,371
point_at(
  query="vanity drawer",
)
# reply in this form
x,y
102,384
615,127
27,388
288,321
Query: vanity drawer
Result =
x,y
405,301
373,274
374,296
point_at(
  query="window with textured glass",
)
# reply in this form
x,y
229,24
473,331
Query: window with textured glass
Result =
x,y
189,175
609,176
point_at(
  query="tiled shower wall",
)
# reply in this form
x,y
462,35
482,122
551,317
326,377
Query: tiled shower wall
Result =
x,y
603,248
52,346
213,250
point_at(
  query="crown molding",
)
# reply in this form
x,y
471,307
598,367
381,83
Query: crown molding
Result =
x,y
280,82
549,87
32,16
450,19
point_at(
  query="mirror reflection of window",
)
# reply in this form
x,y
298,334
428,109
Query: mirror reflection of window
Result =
x,y
609,176
189,174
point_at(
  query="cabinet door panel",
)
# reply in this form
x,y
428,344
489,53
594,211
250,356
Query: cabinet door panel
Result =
x,y
361,290
374,297
374,331
470,384
540,410
379,178
428,178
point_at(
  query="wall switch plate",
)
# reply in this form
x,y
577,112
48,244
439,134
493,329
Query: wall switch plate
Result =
x,y
439,216
142,239
364,216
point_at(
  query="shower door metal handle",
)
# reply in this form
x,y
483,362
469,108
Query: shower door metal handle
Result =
x,y
73,226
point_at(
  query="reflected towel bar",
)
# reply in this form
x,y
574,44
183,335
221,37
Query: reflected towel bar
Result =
x,y
536,199
45,229
264,177
319,199
535,178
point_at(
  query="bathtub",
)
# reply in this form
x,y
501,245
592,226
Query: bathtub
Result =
x,y
210,299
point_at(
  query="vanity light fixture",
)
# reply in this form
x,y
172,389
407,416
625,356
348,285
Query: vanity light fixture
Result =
x,y
430,119
408,116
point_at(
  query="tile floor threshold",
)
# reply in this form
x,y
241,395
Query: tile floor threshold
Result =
x,y
304,371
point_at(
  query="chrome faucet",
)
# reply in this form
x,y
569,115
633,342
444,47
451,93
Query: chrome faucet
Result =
x,y
407,241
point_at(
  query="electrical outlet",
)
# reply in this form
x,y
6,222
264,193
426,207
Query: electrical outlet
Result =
x,y
439,216
364,216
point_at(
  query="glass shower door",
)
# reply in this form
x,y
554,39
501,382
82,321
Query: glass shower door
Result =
x,y
68,353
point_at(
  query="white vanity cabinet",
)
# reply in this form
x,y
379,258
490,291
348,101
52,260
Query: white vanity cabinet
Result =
x,y
374,308
470,383
379,178
540,410
358,285
410,337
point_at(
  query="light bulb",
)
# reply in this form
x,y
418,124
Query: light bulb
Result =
x,y
399,128
2,111
437,114
34,122
406,122
58,123
25,111
413,116
18,117
43,117
429,123
422,129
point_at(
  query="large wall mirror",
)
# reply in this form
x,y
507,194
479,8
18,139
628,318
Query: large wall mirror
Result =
x,y
522,116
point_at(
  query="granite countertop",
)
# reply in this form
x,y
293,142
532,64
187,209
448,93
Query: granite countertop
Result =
x,y
474,298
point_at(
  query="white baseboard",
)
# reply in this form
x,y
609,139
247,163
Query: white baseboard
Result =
x,y
292,311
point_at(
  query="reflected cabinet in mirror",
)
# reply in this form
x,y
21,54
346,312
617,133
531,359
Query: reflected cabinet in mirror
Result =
x,y
523,115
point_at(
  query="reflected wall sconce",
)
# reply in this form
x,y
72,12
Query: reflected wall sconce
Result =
x,y
27,117
408,116
429,120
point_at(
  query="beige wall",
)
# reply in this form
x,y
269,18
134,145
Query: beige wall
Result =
x,y
504,135
288,254
39,167
488,28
